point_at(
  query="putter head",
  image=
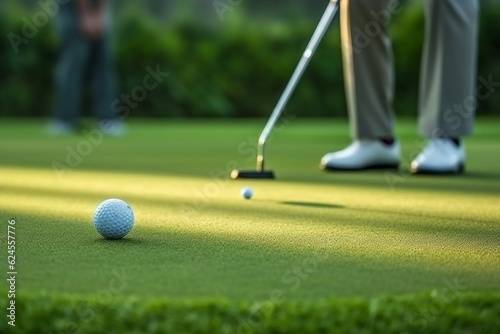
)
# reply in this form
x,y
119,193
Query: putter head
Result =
x,y
240,174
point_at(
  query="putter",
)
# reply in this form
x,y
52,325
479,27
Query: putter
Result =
x,y
316,38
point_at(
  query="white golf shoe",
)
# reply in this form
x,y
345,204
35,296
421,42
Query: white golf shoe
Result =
x,y
112,127
363,154
59,127
440,156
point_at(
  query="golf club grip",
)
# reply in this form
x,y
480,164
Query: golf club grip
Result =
x,y
316,38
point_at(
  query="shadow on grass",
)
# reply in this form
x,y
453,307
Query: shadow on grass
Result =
x,y
123,241
481,175
472,182
314,205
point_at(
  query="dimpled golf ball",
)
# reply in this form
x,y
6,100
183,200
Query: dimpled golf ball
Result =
x,y
113,218
247,192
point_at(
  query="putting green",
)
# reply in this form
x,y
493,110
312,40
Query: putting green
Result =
x,y
307,236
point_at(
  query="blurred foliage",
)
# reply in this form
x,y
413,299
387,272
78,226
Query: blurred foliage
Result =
x,y
426,312
234,67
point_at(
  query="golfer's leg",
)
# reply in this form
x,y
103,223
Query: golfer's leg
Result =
x,y
70,69
368,66
448,75
369,81
103,79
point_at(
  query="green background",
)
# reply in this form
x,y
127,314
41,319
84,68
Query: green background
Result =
x,y
236,67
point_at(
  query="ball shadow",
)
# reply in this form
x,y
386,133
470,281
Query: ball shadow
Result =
x,y
125,241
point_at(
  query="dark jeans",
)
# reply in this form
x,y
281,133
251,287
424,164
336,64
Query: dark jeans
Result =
x,y
81,59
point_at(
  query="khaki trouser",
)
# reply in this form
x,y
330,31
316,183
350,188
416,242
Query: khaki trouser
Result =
x,y
448,70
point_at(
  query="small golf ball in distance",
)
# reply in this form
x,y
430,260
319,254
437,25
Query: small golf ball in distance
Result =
x,y
247,192
113,219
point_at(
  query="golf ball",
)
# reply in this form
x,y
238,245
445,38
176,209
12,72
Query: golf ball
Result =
x,y
247,192
113,218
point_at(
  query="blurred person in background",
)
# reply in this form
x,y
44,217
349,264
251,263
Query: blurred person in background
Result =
x,y
84,28
447,85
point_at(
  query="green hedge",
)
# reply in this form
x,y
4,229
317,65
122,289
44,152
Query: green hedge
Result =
x,y
238,67
423,313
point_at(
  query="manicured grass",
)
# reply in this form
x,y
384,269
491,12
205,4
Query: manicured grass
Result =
x,y
308,237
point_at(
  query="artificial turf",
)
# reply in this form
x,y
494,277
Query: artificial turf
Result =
x,y
308,237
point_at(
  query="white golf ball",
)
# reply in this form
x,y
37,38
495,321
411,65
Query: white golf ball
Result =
x,y
247,192
113,219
